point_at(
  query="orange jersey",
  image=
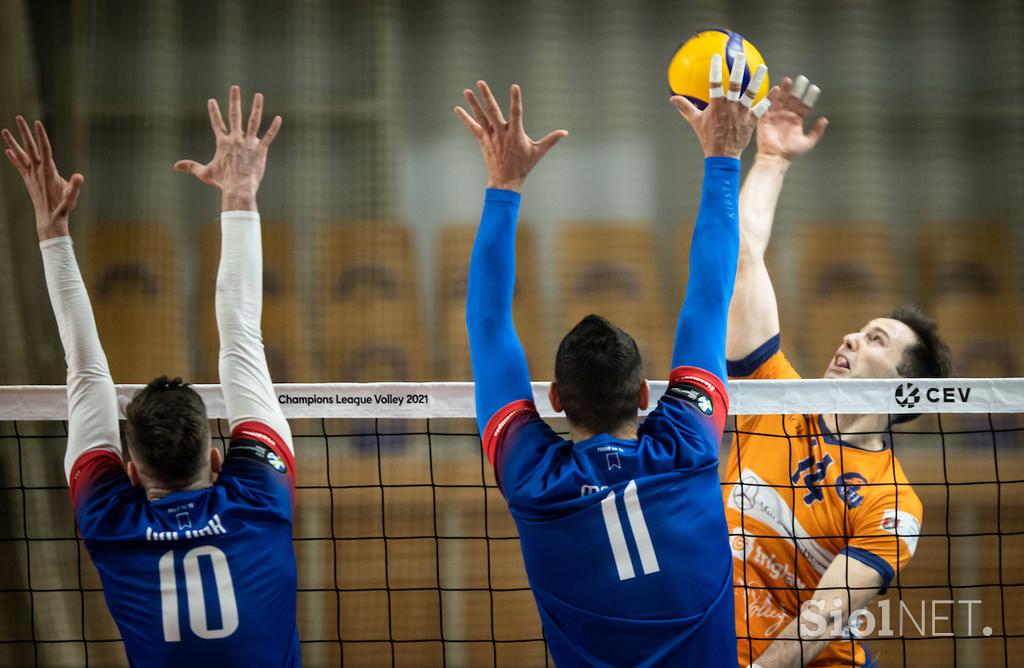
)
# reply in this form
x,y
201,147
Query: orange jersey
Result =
x,y
796,497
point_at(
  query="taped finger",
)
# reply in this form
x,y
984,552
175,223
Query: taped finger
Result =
x,y
755,85
799,87
715,78
761,107
739,66
811,96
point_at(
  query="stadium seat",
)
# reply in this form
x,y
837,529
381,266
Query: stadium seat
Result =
x,y
455,246
284,325
368,325
847,274
966,258
135,283
610,268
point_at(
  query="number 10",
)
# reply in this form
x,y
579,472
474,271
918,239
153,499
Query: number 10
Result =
x,y
194,592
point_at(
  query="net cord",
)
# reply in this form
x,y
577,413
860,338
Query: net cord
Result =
x,y
455,400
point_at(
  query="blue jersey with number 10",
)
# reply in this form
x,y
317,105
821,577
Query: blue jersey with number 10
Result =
x,y
623,540
198,578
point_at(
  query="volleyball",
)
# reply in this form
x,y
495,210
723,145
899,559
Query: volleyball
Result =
x,y
689,67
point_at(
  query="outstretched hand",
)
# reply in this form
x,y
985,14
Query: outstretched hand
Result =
x,y
53,197
241,158
780,132
724,127
509,153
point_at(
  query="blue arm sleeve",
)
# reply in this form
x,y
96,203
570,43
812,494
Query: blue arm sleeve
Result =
x,y
700,336
499,364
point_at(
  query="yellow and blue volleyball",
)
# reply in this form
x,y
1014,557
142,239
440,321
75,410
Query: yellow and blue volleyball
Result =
x,y
689,68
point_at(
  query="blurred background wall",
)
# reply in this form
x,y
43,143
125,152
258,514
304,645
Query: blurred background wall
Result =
x,y
373,185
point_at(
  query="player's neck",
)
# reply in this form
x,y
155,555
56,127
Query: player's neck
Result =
x,y
627,432
862,431
156,490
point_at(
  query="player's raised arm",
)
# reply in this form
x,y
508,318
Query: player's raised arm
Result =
x,y
754,313
499,364
236,170
723,128
92,403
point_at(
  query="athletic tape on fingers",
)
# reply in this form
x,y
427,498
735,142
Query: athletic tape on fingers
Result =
x,y
739,66
799,87
754,86
715,77
762,107
811,96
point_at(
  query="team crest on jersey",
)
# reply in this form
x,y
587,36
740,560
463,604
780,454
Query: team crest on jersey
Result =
x,y
902,524
696,397
276,462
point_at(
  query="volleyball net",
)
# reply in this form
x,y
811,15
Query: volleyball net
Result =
x,y
407,554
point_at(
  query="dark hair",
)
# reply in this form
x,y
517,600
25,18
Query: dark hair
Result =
x,y
599,373
167,430
928,358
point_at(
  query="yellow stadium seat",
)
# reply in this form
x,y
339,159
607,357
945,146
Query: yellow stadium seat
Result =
x,y
368,324
609,268
285,332
847,275
455,246
135,284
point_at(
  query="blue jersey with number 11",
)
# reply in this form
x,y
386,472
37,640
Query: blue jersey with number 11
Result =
x,y
197,578
623,539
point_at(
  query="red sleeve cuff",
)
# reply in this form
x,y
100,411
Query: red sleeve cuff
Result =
x,y
89,468
499,422
262,433
708,382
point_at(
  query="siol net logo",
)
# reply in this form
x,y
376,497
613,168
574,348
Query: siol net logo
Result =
x,y
908,395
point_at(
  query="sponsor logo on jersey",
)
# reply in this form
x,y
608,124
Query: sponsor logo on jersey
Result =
x,y
760,501
848,488
587,490
904,525
694,396
276,462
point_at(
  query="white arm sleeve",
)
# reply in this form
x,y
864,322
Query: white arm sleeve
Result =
x,y
244,376
92,402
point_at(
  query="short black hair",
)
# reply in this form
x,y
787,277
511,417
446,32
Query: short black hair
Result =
x,y
930,356
168,430
600,373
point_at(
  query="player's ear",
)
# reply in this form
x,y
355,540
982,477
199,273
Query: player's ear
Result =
x,y
216,459
556,401
645,396
133,474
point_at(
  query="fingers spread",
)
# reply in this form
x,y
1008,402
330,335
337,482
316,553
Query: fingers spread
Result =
x,y
26,137
14,160
190,166
739,67
817,130
16,149
491,107
799,87
275,127
473,126
235,109
551,139
46,150
686,108
515,107
216,121
255,116
715,77
761,107
71,191
754,86
478,113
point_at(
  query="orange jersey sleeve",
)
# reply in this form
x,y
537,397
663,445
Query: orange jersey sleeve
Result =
x,y
886,530
768,362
